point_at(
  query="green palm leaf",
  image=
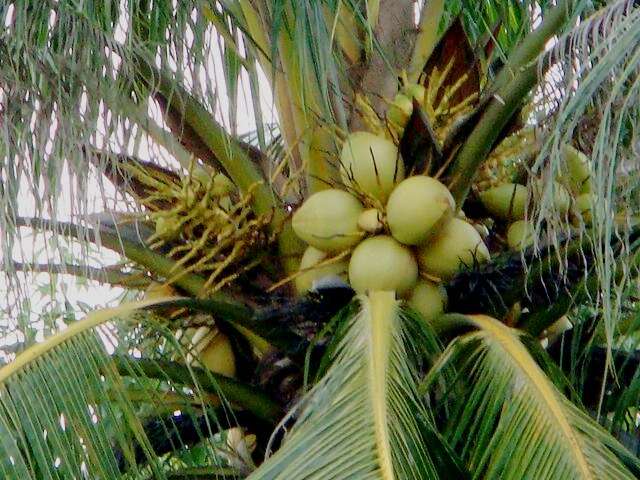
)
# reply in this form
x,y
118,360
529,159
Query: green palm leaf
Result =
x,y
512,422
70,409
366,405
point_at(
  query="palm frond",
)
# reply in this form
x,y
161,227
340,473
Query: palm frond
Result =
x,y
70,409
509,421
592,95
366,405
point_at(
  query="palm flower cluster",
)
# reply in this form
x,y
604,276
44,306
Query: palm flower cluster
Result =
x,y
201,221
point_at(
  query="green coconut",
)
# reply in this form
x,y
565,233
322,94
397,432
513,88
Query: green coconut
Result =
x,y
417,207
507,201
400,110
370,220
583,206
218,356
428,299
455,246
520,235
558,328
577,170
222,185
561,196
312,256
381,263
328,220
417,91
371,163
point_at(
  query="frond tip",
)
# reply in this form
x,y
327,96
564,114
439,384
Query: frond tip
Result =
x,y
512,422
364,418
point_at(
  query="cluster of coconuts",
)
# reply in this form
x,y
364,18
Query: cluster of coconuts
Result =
x,y
399,234
571,196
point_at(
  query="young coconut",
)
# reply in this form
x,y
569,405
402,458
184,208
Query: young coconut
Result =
x,y
157,290
328,220
400,111
577,169
312,256
218,355
520,235
222,185
561,196
507,201
428,299
381,263
371,164
417,207
583,207
370,220
456,246
415,90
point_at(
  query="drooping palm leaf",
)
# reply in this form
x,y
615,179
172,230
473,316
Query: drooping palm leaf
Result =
x,y
509,421
70,410
595,106
364,418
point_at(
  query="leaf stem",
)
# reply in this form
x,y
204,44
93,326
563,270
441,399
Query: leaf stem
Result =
x,y
513,84
156,263
232,390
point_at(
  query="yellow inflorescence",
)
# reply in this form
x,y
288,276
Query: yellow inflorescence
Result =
x,y
210,228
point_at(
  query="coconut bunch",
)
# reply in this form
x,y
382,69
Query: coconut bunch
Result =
x,y
384,231
209,228
503,191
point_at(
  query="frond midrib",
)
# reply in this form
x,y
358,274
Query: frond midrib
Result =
x,y
503,337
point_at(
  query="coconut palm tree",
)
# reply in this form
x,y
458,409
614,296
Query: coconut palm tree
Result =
x,y
351,239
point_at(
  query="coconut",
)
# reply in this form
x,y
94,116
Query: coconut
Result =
x,y
558,328
561,196
157,290
507,201
561,199
400,110
312,256
225,203
218,356
455,246
201,175
370,220
328,220
577,169
428,299
417,91
222,185
520,235
371,164
417,207
583,206
381,263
